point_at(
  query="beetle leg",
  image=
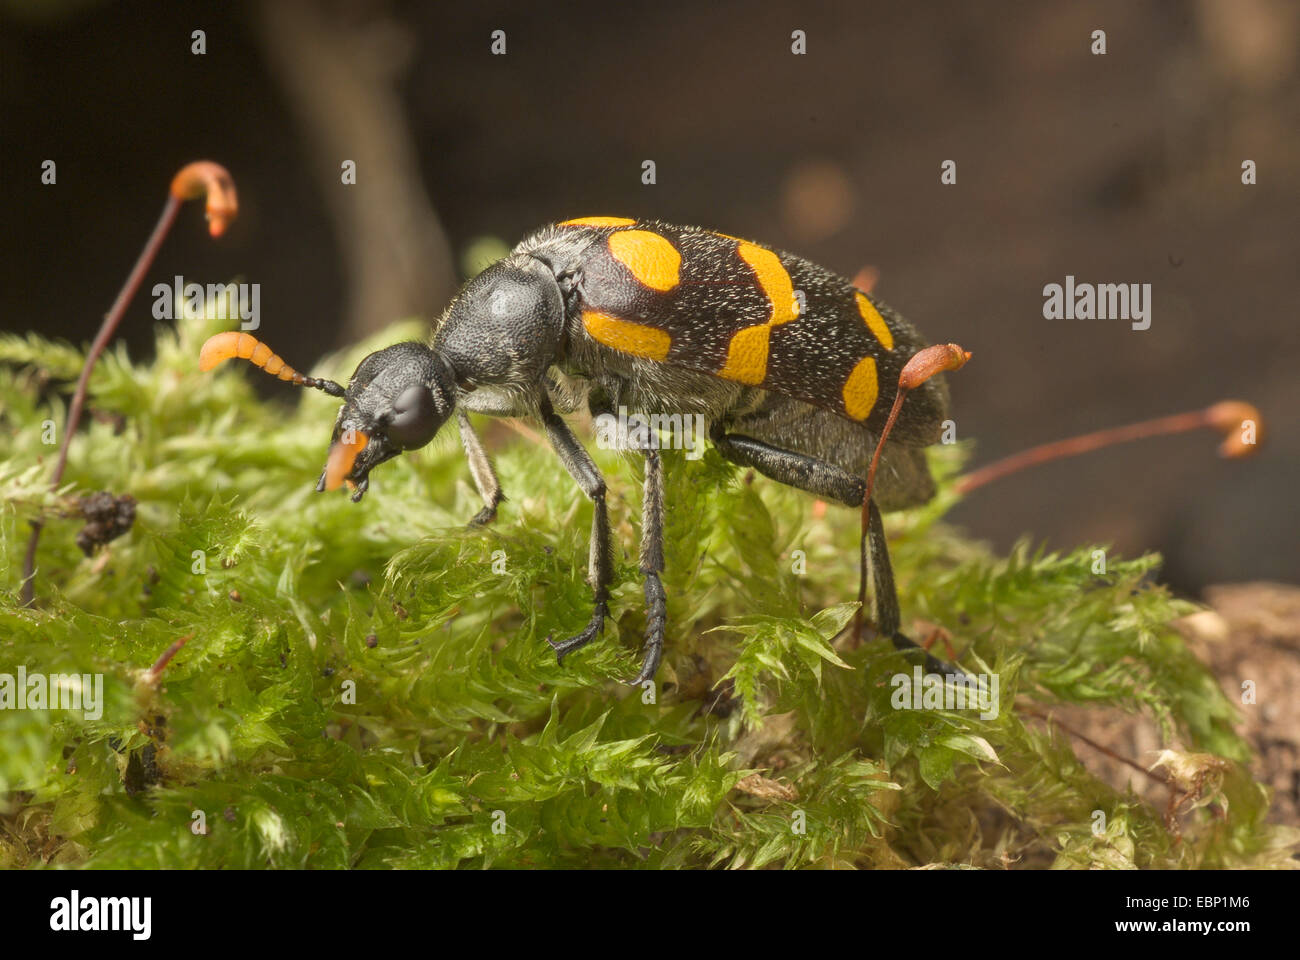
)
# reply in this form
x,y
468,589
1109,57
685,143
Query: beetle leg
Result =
x,y
498,403
600,569
652,547
827,480
886,607
652,564
793,469
480,468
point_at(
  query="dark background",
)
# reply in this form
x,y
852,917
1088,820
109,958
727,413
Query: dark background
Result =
x,y
1117,168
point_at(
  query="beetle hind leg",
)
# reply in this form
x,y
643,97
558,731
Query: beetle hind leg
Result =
x,y
875,557
833,482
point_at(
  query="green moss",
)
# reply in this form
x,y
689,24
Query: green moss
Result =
x,y
366,685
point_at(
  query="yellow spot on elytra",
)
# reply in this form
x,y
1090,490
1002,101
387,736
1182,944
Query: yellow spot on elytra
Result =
x,y
774,280
652,259
879,329
860,389
599,222
626,336
747,352
747,356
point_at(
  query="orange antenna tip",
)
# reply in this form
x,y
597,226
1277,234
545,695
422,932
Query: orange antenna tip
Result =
x,y
245,346
218,349
221,347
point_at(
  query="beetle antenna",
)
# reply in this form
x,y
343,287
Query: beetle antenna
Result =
x,y
923,365
245,346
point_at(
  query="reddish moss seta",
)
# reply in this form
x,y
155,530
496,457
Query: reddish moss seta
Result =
x,y
201,178
1238,422
923,365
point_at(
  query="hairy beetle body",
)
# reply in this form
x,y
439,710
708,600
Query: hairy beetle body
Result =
x,y
691,299
792,368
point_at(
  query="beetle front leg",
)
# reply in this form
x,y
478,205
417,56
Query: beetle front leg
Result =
x,y
480,468
600,568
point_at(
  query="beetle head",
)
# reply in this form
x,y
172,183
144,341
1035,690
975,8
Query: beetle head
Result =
x,y
398,399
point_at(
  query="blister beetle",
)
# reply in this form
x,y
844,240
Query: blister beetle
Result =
x,y
792,368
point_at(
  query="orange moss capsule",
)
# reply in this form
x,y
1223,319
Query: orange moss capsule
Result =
x,y
204,178
1241,425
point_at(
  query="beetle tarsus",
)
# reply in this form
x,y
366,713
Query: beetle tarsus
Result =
x,y
593,629
656,617
906,644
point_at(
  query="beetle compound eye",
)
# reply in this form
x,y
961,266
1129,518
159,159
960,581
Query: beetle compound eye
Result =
x,y
415,418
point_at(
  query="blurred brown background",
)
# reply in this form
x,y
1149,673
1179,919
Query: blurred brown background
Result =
x,y
1117,168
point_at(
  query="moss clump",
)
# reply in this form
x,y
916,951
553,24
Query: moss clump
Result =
x,y
368,686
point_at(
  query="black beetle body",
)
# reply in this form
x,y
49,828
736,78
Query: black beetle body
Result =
x,y
791,369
